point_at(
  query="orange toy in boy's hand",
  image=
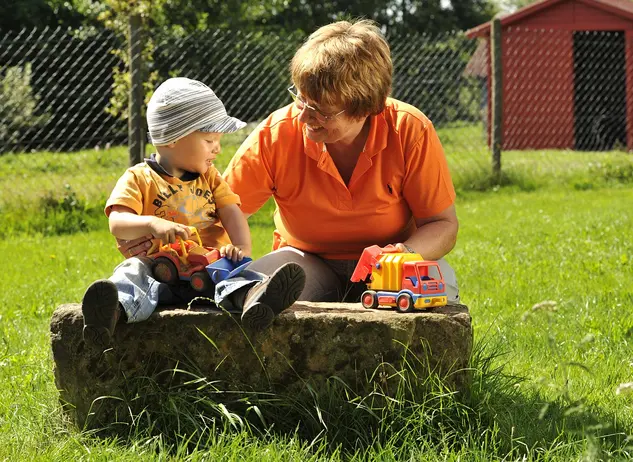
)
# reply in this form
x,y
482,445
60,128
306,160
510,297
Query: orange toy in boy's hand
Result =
x,y
189,260
177,246
183,260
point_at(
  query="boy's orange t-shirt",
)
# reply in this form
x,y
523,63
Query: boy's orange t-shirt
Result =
x,y
401,174
191,203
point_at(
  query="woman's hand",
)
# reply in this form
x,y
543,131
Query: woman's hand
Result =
x,y
232,253
400,248
435,236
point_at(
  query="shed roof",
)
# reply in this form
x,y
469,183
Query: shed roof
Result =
x,y
622,8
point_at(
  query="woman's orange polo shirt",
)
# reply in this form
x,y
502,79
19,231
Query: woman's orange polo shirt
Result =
x,y
401,174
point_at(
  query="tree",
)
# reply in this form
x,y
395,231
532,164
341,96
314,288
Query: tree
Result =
x,y
285,16
17,105
22,14
405,16
510,6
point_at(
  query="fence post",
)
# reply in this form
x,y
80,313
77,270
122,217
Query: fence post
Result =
x,y
497,96
136,124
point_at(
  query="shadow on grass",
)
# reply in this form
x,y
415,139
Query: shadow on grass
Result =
x,y
497,418
526,423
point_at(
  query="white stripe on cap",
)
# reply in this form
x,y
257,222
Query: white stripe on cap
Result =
x,y
180,106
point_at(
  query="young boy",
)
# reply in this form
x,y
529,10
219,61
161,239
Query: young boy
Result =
x,y
176,188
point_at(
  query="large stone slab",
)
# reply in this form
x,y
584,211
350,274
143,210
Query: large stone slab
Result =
x,y
309,341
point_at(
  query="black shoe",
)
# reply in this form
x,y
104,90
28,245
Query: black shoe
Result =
x,y
274,294
101,310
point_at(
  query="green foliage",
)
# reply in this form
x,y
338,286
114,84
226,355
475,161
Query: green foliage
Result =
x,y
432,79
297,16
287,16
17,104
513,5
21,14
176,20
544,379
249,71
67,214
436,16
53,215
115,16
617,172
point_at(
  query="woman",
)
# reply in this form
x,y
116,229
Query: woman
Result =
x,y
348,167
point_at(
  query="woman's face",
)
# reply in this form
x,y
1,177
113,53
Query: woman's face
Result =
x,y
327,124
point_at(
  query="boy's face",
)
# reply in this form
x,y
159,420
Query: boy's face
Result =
x,y
195,152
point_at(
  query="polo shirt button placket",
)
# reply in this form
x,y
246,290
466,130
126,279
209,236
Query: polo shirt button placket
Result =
x,y
345,201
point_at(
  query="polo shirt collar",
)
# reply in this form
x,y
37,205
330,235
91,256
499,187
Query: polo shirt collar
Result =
x,y
154,165
378,135
311,148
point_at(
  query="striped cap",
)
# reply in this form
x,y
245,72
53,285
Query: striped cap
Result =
x,y
181,106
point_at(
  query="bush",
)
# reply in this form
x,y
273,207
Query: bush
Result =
x,y
17,105
53,215
610,171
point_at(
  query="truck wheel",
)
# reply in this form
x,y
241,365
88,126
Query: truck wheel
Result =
x,y
404,303
201,281
369,299
164,270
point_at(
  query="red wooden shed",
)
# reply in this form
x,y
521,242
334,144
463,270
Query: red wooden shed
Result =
x,y
567,74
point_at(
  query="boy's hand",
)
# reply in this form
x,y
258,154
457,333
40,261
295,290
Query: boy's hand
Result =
x,y
168,231
231,252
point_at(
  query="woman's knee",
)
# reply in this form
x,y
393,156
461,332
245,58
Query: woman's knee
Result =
x,y
322,284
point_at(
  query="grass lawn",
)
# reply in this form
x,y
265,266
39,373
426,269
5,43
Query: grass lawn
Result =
x,y
45,178
548,373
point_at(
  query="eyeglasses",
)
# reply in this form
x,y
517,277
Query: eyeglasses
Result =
x,y
301,105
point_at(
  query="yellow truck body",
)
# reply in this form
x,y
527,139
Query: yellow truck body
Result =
x,y
388,272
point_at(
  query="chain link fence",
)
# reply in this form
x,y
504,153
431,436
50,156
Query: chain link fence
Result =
x,y
561,90
565,90
55,89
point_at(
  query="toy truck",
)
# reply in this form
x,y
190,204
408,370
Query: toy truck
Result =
x,y
189,260
401,280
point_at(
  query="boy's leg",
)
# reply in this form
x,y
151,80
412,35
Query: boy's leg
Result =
x,y
130,293
101,311
272,295
289,275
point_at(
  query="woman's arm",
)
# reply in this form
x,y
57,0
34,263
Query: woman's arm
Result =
x,y
249,174
435,236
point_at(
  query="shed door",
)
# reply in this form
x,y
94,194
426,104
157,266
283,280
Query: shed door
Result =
x,y
600,90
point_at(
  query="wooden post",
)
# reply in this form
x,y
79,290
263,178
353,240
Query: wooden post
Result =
x,y
628,59
136,124
497,96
